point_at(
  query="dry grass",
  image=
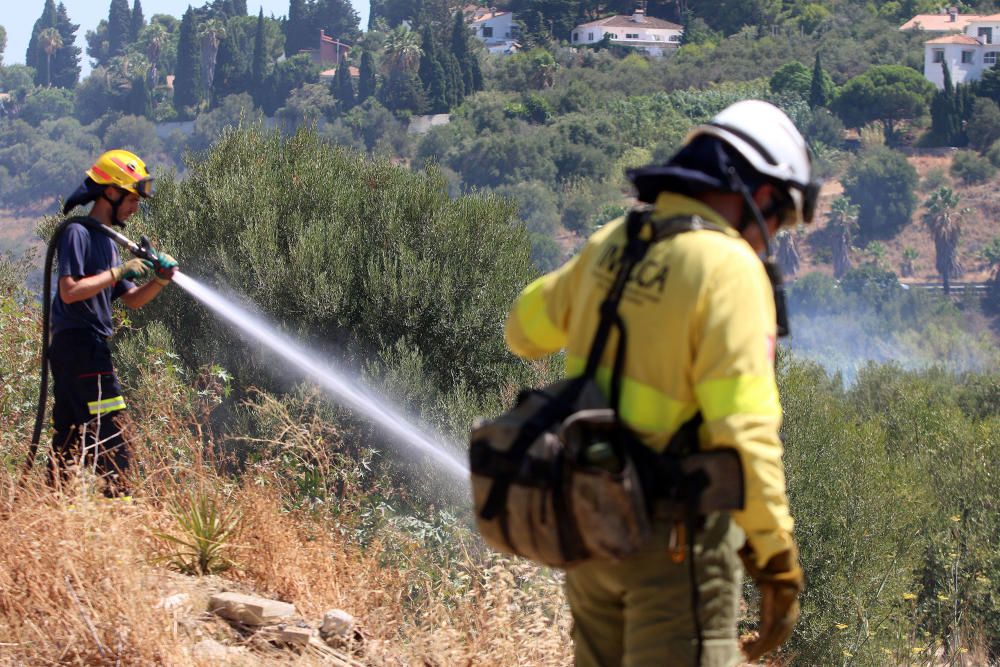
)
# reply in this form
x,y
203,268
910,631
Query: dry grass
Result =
x,y
80,584
77,587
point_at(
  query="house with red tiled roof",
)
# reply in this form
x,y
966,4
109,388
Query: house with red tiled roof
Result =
x,y
970,47
496,29
945,21
653,36
328,51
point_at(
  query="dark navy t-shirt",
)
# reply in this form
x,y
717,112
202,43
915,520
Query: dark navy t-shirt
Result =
x,y
85,252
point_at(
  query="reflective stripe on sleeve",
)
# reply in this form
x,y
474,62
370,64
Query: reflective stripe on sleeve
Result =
x,y
533,318
742,395
643,407
106,406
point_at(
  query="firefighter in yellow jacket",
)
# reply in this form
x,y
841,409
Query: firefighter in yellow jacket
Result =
x,y
701,319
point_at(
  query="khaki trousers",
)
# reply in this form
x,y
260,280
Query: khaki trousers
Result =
x,y
638,612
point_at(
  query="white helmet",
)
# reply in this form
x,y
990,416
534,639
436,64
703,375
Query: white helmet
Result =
x,y
768,139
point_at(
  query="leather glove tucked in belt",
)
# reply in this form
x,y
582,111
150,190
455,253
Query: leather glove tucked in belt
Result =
x,y
780,581
132,269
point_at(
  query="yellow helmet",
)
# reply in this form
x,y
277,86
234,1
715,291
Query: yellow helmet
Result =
x,y
124,170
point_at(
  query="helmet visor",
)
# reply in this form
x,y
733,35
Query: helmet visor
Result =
x,y
144,187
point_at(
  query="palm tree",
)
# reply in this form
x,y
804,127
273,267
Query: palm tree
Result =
x,y
51,41
402,50
155,36
211,34
843,223
943,221
788,253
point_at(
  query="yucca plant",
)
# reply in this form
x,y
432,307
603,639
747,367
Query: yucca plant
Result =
x,y
206,533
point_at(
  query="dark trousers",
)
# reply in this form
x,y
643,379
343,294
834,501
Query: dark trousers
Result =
x,y
87,410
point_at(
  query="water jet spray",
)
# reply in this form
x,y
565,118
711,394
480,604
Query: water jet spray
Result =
x,y
331,379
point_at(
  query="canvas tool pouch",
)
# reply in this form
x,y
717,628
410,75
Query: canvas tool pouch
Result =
x,y
519,470
605,494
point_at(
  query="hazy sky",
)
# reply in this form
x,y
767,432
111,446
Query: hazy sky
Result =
x,y
20,15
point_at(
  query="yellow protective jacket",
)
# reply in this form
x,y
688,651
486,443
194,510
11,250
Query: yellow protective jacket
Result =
x,y
700,326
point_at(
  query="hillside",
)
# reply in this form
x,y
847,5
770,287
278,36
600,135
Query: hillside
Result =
x,y
330,253
981,226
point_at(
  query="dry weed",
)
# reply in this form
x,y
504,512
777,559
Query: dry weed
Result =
x,y
74,584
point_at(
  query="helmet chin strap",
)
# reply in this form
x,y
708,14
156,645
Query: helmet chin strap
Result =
x,y
115,203
752,214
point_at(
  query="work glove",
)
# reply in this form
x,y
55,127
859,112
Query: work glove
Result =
x,y
165,268
132,269
780,581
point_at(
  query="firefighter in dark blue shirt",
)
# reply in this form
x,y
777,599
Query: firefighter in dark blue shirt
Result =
x,y
88,397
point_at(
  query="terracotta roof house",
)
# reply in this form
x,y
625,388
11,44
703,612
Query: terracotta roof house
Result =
x,y
653,36
497,30
329,51
970,48
944,21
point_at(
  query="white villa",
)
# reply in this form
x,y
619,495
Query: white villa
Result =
x,y
654,36
969,44
495,29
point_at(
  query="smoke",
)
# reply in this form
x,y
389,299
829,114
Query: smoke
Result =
x,y
845,343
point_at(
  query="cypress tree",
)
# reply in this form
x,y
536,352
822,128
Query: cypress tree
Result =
x,y
817,92
366,77
232,68
66,61
138,21
432,74
343,88
455,89
240,7
299,28
401,91
140,98
187,76
258,66
35,56
953,111
460,49
119,27
477,73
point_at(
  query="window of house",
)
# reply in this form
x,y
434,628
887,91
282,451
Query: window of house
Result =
x,y
631,35
576,37
590,36
990,58
487,31
657,38
938,56
967,57
674,38
986,35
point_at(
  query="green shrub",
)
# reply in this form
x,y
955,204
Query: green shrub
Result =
x,y
935,179
881,182
971,168
353,253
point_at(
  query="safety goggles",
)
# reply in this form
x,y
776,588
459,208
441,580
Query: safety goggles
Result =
x,y
144,187
810,197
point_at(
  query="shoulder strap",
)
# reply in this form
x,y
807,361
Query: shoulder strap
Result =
x,y
635,250
638,241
